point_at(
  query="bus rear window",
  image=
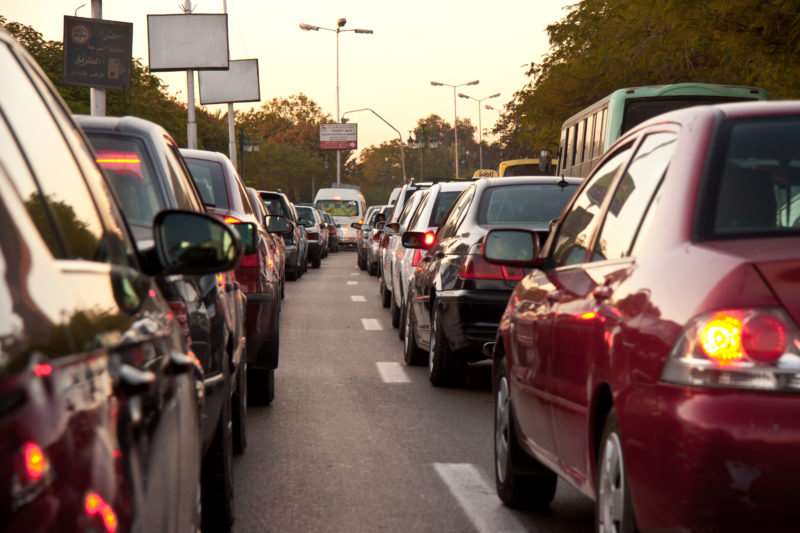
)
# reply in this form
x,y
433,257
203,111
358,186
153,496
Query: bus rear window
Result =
x,y
638,110
338,208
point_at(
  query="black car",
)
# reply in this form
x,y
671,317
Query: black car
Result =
x,y
311,220
277,247
294,236
456,297
225,196
144,167
101,397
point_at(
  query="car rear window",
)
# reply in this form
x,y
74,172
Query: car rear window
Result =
x,y
274,205
755,181
531,203
306,213
338,208
522,170
209,177
444,201
130,172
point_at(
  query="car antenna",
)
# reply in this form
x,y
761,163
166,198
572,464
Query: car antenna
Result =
x,y
563,181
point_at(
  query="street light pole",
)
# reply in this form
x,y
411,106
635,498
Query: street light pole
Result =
x,y
97,97
339,25
455,116
191,118
399,135
480,123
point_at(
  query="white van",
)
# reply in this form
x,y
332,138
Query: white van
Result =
x,y
346,205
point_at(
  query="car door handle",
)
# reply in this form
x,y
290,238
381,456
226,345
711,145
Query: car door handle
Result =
x,y
603,292
135,380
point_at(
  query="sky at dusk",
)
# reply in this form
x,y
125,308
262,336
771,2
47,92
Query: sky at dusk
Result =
x,y
415,41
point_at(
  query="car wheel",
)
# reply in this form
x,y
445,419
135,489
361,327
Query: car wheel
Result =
x,y
522,482
401,331
291,276
445,369
395,314
316,260
283,286
412,355
386,296
261,386
362,264
240,410
217,476
614,509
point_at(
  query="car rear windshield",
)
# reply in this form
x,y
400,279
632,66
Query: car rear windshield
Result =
x,y
209,177
274,205
338,208
522,170
530,203
444,201
130,172
306,213
755,180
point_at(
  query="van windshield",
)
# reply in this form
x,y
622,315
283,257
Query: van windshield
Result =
x,y
339,208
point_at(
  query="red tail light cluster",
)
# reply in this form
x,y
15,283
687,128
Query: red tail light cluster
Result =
x,y
475,267
97,508
417,258
739,348
312,235
32,473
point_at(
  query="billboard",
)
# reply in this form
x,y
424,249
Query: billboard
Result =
x,y
338,136
182,42
97,53
237,84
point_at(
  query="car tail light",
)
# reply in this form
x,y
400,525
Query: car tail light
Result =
x,y
739,348
377,236
476,267
32,473
312,235
429,238
249,261
97,508
181,314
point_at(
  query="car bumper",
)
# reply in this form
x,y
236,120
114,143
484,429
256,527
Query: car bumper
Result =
x,y
260,322
711,460
291,260
470,318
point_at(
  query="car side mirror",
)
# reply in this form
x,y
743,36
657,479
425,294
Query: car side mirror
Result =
x,y
356,225
512,247
418,240
194,243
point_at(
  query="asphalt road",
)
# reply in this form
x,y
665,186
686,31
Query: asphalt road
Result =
x,y
355,441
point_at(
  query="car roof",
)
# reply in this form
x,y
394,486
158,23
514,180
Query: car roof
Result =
x,y
517,180
449,186
208,155
126,124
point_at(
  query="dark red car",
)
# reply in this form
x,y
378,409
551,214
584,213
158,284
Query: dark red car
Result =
x,y
652,357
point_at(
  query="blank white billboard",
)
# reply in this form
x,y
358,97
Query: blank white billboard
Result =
x,y
237,84
182,42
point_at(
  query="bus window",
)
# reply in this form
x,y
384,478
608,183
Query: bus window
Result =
x,y
598,133
571,136
587,151
604,130
579,142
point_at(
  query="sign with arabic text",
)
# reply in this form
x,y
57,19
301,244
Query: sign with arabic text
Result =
x,y
338,136
97,53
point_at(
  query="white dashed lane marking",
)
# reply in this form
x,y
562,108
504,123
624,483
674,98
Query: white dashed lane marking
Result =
x,y
357,298
392,372
371,324
355,273
352,283
478,499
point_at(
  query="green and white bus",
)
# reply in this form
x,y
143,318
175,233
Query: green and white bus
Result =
x,y
586,136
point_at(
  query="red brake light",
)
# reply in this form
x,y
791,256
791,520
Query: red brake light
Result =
x,y
120,161
764,338
42,370
476,267
96,506
249,261
429,238
36,463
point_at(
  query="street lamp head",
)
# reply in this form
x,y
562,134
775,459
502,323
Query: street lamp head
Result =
x,y
490,108
462,95
474,82
364,31
437,84
495,95
309,27
341,22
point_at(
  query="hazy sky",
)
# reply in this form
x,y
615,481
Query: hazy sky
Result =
x,y
415,41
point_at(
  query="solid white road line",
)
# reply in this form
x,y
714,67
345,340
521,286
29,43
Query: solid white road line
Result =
x,y
357,298
478,499
355,273
392,372
371,324
352,283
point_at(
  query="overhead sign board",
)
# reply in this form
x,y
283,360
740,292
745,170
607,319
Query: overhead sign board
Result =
x,y
97,53
237,84
338,136
183,42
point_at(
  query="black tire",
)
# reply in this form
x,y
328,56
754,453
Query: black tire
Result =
x,y
335,248
522,482
446,369
372,269
362,263
412,355
291,276
395,314
261,386
283,286
386,296
401,329
612,438
316,259
217,476
240,410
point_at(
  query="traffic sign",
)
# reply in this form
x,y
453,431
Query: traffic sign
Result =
x,y
338,136
97,53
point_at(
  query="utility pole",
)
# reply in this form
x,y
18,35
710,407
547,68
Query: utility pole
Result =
x,y
97,97
191,123
231,118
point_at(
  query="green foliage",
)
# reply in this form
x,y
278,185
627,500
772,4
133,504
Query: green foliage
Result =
x,y
604,45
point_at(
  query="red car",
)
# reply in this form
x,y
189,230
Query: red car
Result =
x,y
652,357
